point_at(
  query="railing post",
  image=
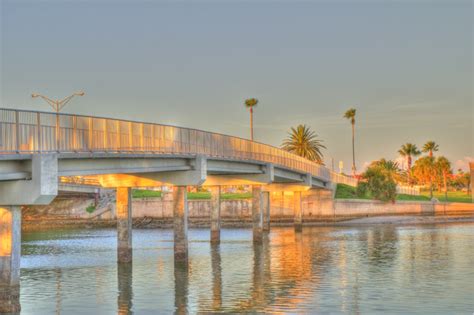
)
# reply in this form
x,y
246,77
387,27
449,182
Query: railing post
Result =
x,y
90,133
38,126
74,133
118,135
17,131
58,143
141,137
105,135
130,136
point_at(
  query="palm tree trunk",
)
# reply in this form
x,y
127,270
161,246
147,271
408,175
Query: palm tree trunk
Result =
x,y
445,182
409,169
353,151
251,123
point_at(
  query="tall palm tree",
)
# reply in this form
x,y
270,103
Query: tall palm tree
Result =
x,y
250,103
430,147
350,114
409,150
303,142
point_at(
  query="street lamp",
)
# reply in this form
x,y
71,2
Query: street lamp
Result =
x,y
57,106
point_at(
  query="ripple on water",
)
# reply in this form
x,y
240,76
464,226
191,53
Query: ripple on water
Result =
x,y
390,269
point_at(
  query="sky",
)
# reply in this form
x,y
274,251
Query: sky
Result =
x,y
406,66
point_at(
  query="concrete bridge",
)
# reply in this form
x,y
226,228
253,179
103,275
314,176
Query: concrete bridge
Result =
x,y
37,149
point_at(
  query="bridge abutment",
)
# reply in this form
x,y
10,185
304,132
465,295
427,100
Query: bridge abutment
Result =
x,y
124,224
180,213
215,214
10,252
257,214
298,210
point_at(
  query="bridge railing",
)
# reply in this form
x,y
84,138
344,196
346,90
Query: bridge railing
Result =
x,y
35,132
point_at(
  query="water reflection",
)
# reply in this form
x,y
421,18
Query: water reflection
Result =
x,y
125,289
321,270
216,277
181,287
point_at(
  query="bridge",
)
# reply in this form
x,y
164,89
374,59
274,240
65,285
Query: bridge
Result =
x,y
39,151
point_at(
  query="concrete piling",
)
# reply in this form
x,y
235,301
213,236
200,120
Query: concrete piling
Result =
x,y
257,214
215,214
298,211
124,225
10,251
180,213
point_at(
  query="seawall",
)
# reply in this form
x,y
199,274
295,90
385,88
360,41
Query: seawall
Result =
x,y
318,206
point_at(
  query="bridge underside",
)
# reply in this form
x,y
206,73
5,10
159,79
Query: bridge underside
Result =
x,y
39,174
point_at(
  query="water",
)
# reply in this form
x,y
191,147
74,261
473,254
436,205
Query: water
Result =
x,y
380,269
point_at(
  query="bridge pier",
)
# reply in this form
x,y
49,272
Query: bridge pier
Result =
x,y
257,214
215,214
180,213
124,224
266,210
298,211
10,252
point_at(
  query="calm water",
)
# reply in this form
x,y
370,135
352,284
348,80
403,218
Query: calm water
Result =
x,y
389,269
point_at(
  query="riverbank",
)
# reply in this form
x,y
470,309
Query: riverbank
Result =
x,y
155,223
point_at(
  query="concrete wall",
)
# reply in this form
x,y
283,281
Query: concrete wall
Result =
x,y
317,205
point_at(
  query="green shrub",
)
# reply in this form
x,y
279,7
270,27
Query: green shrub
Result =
x,y
361,190
380,185
90,208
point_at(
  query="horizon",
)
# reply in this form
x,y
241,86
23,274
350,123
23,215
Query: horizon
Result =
x,y
416,82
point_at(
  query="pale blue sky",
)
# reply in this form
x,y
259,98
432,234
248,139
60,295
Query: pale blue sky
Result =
x,y
407,66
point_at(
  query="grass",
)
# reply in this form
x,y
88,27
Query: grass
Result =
x,y
140,193
348,192
90,208
453,196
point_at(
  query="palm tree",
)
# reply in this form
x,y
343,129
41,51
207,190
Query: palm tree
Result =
x,y
389,167
430,147
443,166
424,171
303,142
251,103
350,114
409,150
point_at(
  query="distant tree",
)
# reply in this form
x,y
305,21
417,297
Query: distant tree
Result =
x,y
304,142
430,147
350,114
408,151
389,167
425,172
379,184
250,103
443,168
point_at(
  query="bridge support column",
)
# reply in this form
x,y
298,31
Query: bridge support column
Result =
x,y
10,251
257,213
124,224
180,213
298,211
266,210
215,214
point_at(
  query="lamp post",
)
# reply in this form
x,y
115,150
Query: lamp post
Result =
x,y
57,105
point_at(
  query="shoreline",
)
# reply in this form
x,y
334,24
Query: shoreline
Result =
x,y
155,223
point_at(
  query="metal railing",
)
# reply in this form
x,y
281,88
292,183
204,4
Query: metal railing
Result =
x,y
36,132
408,190
343,179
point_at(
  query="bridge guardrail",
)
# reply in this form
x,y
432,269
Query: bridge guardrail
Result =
x,y
30,132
